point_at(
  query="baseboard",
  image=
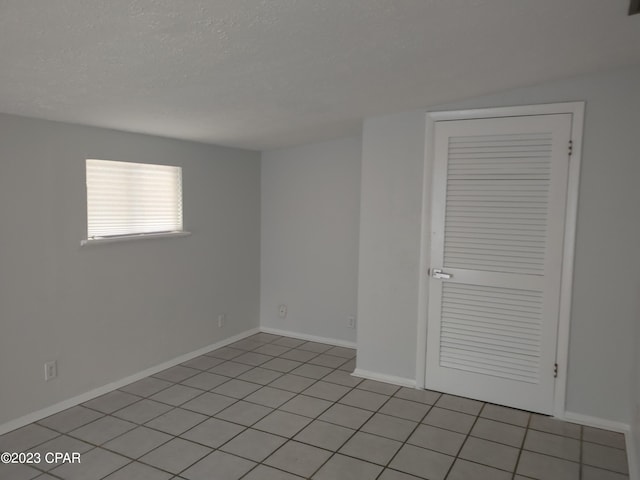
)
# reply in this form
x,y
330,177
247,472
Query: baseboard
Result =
x,y
310,338
84,397
624,428
596,422
381,377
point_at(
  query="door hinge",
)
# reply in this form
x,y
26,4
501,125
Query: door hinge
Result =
x,y
555,370
570,147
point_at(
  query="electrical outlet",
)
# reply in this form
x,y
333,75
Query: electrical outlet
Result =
x,y
50,370
282,311
221,318
351,321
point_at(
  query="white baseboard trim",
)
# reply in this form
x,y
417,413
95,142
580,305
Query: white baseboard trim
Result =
x,y
624,428
381,377
96,392
310,338
596,422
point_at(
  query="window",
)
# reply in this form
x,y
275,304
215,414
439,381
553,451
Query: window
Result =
x,y
132,200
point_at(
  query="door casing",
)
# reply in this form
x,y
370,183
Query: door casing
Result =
x,y
576,109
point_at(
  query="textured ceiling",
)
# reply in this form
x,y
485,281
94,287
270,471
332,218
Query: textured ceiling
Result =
x,y
264,74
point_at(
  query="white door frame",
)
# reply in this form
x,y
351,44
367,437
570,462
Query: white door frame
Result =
x,y
562,355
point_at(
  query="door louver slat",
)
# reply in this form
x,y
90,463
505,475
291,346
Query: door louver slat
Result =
x,y
499,197
498,333
496,220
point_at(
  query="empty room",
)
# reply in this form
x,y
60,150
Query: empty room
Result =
x,y
328,240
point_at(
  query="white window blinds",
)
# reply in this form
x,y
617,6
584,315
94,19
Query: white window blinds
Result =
x,y
126,198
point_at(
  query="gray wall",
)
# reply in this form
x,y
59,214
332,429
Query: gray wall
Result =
x,y
607,264
105,312
310,212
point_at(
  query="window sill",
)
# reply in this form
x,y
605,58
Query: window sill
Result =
x,y
129,238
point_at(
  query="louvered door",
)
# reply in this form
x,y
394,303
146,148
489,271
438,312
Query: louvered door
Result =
x,y
499,200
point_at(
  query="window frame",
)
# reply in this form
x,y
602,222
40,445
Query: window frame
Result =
x,y
133,236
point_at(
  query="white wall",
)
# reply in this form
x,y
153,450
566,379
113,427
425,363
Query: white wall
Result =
x,y
390,209
309,254
607,263
106,312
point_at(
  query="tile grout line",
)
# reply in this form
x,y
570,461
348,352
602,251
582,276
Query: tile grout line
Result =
x,y
524,439
387,466
209,417
457,455
335,402
143,424
356,431
260,386
316,418
175,475
477,416
289,439
245,427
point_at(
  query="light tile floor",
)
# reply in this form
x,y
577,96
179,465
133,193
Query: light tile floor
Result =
x,y
277,408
